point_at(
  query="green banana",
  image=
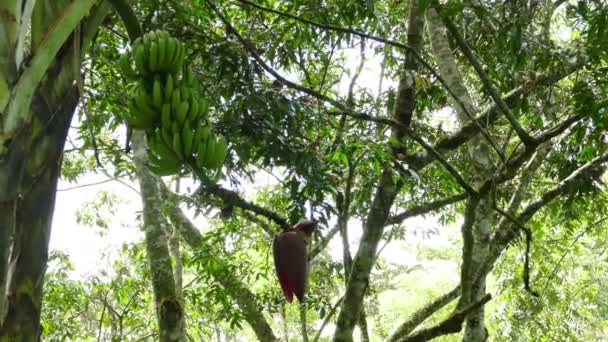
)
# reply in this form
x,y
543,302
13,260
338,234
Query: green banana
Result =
x,y
219,152
157,94
176,100
200,153
146,39
153,57
136,118
177,145
186,93
188,78
138,53
179,58
204,107
144,102
165,115
200,137
166,135
169,88
194,110
161,166
205,151
124,63
158,146
162,53
188,139
182,112
170,54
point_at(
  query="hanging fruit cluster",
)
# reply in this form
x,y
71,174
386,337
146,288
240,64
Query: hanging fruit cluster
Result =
x,y
167,105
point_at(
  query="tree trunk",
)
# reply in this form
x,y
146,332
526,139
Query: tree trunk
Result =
x,y
386,192
169,310
37,104
477,248
33,217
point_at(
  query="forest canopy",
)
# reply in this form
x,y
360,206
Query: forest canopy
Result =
x,y
451,156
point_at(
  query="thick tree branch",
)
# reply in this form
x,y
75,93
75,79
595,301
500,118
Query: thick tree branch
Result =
x,y
423,313
451,170
385,194
562,187
257,220
485,79
507,233
128,17
451,325
231,198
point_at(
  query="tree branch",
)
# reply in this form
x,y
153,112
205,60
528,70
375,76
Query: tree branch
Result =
x,y
266,67
452,170
425,208
128,17
423,313
232,198
363,35
420,159
451,325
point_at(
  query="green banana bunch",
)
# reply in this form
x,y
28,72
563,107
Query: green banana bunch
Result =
x,y
158,52
141,113
168,107
162,159
186,105
211,151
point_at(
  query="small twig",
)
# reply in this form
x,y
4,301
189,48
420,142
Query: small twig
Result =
x,y
578,236
91,184
330,314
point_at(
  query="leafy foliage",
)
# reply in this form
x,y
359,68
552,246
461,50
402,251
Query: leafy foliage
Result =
x,y
283,88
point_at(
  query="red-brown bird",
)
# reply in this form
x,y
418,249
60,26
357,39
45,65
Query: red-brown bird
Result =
x,y
291,260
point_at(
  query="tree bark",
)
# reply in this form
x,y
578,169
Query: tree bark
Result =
x,y
33,217
32,136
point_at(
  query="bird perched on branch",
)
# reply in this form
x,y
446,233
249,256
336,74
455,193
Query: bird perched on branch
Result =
x,y
291,260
